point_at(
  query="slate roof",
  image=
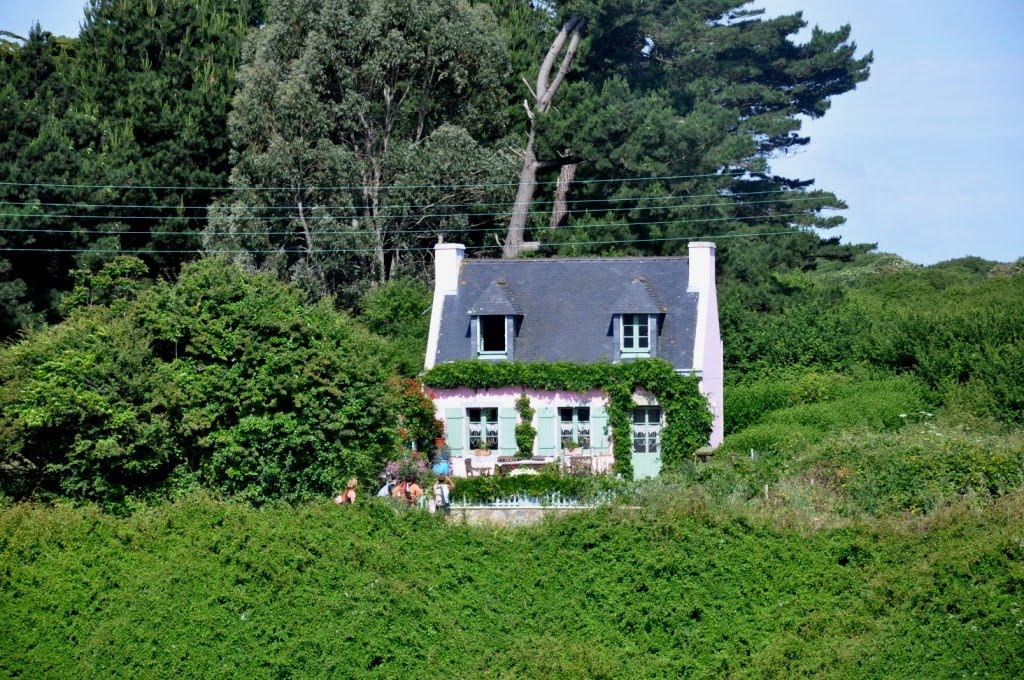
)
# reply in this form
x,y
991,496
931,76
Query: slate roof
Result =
x,y
639,298
496,299
565,306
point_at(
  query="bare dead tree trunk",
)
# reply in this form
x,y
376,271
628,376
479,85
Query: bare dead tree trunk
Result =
x,y
572,31
524,195
565,176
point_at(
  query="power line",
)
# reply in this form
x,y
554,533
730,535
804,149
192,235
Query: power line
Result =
x,y
367,251
318,218
411,206
413,232
391,187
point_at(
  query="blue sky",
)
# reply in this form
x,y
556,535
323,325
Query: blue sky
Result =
x,y
923,152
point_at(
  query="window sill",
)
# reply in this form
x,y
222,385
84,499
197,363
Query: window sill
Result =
x,y
492,356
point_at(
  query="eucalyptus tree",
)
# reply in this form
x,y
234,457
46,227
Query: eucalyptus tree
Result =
x,y
356,138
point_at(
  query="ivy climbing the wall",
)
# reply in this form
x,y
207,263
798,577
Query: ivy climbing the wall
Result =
x,y
526,433
687,417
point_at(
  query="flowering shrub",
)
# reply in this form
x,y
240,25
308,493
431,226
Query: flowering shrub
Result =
x,y
409,463
419,423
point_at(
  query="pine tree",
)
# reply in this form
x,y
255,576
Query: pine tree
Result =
x,y
702,94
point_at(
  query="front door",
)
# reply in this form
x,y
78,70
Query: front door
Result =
x,y
646,441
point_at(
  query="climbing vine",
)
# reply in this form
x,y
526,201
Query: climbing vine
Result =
x,y
688,420
526,433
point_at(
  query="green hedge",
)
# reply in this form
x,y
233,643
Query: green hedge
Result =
x,y
209,589
222,379
476,489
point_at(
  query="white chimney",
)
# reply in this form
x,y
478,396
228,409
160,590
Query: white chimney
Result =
x,y
707,345
702,266
447,265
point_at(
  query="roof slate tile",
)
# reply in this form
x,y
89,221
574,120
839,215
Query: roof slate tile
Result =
x,y
566,306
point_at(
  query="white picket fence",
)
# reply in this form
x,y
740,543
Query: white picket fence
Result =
x,y
552,499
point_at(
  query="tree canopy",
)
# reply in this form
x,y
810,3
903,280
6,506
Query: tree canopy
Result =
x,y
356,137
672,112
362,131
112,142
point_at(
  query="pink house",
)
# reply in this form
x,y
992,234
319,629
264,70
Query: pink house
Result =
x,y
570,309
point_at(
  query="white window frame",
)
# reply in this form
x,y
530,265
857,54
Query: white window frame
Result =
x,y
635,323
576,428
479,427
647,431
480,337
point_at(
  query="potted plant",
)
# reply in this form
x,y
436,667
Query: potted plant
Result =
x,y
439,438
571,445
483,448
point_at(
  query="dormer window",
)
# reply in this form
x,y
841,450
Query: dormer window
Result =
x,y
492,335
493,326
636,319
636,334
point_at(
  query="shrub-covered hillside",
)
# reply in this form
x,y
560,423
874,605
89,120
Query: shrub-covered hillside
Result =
x,y
863,517
873,388
957,326
674,589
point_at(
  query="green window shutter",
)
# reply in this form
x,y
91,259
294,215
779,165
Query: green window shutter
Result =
x,y
546,439
507,431
454,431
598,429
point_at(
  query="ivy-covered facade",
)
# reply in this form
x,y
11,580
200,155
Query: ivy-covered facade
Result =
x,y
598,363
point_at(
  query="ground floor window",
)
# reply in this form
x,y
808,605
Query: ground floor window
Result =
x,y
483,427
647,429
574,427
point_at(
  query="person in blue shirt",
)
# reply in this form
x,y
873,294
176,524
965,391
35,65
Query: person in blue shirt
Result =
x,y
441,465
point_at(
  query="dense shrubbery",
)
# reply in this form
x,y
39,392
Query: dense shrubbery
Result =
x,y
869,447
201,588
875,388
819,406
399,310
953,335
904,549
222,379
959,327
